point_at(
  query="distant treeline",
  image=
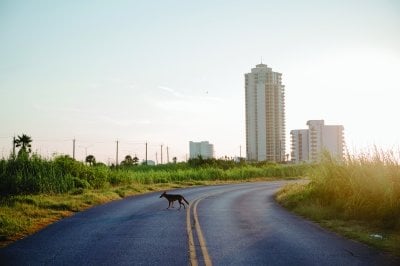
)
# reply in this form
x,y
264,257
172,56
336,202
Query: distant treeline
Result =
x,y
34,174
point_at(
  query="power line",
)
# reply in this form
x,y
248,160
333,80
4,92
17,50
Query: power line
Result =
x,y
83,147
51,140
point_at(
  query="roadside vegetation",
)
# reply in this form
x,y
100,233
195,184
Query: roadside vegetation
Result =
x,y
358,197
35,191
33,175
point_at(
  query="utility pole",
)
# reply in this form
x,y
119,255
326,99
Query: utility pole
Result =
x,y
146,152
161,153
14,147
156,158
73,149
116,160
240,151
167,155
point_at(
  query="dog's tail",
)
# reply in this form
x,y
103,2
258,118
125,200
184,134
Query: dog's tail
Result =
x,y
185,200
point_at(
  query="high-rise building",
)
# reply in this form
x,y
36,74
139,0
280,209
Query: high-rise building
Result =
x,y
299,138
203,149
308,144
265,115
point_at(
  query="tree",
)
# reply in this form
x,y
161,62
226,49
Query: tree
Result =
x,y
135,160
174,159
24,143
90,159
128,160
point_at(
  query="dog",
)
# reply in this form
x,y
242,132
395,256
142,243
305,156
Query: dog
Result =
x,y
173,197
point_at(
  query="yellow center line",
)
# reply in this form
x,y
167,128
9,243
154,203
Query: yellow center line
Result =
x,y
192,249
203,246
199,232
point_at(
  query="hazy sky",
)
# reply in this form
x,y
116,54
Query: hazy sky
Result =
x,y
168,72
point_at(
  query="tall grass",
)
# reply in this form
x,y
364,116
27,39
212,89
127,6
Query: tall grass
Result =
x,y
64,174
37,175
364,187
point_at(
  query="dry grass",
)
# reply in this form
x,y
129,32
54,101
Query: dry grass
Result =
x,y
358,197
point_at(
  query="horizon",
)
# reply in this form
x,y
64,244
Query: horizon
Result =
x,y
170,73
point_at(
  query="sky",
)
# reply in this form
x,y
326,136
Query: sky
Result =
x,y
170,72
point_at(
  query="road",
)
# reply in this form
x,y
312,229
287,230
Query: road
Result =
x,y
224,225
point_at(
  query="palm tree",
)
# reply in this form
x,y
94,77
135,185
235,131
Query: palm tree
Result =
x,y
90,160
128,160
24,142
135,160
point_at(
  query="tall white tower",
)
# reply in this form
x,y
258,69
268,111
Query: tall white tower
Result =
x,y
265,115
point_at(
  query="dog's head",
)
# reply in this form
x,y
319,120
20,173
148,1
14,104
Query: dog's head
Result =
x,y
163,194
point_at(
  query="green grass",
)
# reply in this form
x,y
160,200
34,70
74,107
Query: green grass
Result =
x,y
35,192
22,215
358,197
63,174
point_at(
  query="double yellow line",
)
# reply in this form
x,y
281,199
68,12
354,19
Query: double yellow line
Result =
x,y
199,233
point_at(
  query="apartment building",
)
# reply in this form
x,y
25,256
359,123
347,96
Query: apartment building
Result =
x,y
308,144
299,147
202,148
265,115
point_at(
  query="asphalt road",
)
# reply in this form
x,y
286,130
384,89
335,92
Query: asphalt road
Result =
x,y
224,225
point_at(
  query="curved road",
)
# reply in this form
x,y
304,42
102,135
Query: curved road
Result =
x,y
224,225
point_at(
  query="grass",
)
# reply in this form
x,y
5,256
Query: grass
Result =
x,y
35,192
63,174
358,197
22,215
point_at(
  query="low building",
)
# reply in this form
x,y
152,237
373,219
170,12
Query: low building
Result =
x,y
203,149
308,144
149,162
